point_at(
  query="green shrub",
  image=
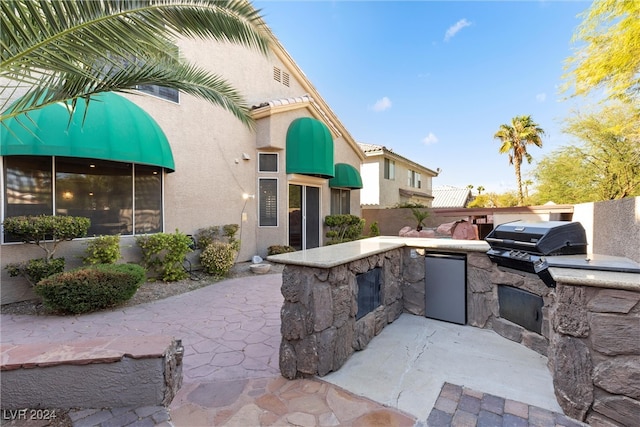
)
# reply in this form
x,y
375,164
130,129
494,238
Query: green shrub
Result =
x,y
374,229
230,231
419,215
218,258
164,254
46,231
401,205
36,269
102,250
205,236
226,233
90,288
343,228
279,249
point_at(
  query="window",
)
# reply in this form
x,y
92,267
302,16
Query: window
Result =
x,y
163,92
95,189
268,162
118,198
28,184
389,169
268,192
148,198
414,179
340,201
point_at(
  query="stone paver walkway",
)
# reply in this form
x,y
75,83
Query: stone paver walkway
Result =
x,y
461,406
231,334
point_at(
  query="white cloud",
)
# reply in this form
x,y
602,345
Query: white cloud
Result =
x,y
430,139
382,104
455,28
541,97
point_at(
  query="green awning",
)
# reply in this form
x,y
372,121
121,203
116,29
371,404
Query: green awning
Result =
x,y
309,148
346,176
114,128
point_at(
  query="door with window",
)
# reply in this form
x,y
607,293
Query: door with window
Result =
x,y
304,216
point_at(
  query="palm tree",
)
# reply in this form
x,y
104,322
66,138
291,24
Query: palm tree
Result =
x,y
515,138
61,51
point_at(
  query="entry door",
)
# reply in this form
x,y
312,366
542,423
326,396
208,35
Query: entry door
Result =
x,y
304,216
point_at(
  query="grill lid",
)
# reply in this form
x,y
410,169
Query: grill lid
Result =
x,y
540,238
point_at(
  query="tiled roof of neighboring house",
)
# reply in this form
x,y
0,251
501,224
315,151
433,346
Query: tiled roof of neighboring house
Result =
x,y
450,197
301,100
368,148
284,101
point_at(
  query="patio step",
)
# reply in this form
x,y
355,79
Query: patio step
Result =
x,y
104,372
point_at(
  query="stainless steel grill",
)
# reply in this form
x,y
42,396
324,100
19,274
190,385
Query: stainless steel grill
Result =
x,y
524,245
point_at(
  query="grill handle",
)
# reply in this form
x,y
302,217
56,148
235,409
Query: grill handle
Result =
x,y
509,242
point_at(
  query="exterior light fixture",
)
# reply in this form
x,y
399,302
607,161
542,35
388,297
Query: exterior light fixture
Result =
x,y
67,195
246,196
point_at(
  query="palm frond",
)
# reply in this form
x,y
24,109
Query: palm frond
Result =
x,y
67,49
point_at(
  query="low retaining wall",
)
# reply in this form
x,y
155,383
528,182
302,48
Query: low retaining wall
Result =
x,y
100,373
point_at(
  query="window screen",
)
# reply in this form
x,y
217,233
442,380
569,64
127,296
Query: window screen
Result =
x,y
268,202
268,162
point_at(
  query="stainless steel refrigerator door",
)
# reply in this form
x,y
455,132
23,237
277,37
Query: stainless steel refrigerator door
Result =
x,y
446,287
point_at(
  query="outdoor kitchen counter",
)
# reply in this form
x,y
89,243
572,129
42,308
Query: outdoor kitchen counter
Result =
x,y
596,278
333,255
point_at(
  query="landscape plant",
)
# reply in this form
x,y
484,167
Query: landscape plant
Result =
x,y
215,233
343,228
46,232
514,139
90,288
164,254
102,250
374,229
279,249
71,50
419,215
218,258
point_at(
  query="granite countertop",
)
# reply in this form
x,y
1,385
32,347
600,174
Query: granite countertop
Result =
x,y
331,256
596,278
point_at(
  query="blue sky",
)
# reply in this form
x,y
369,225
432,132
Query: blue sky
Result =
x,y
433,80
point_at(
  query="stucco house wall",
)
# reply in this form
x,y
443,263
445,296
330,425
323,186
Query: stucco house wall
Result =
x,y
216,156
379,192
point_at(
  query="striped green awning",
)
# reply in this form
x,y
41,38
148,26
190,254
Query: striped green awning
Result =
x,y
309,148
346,176
114,128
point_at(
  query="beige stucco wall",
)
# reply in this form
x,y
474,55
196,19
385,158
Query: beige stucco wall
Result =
x,y
383,193
208,144
612,227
